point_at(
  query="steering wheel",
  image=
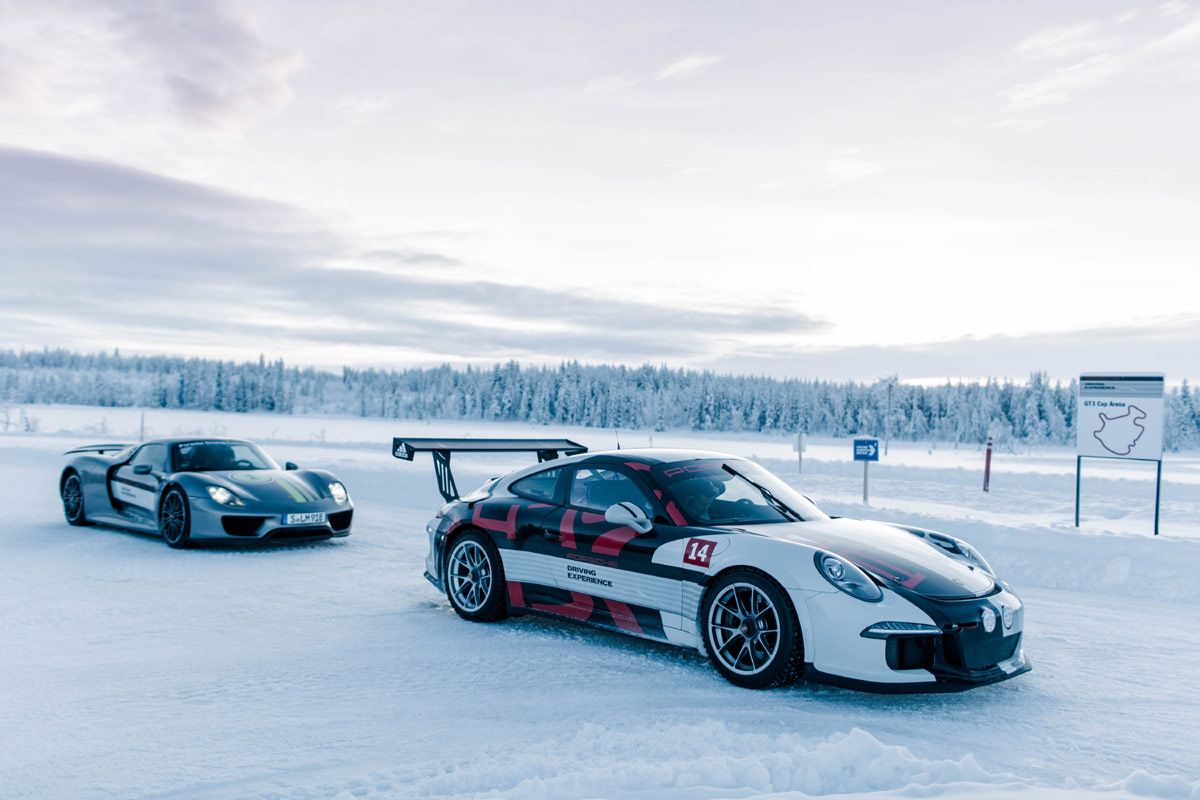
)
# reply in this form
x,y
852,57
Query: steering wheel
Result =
x,y
243,463
745,502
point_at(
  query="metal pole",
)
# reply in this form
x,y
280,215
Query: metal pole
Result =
x,y
987,465
1079,463
866,501
1157,495
887,423
800,452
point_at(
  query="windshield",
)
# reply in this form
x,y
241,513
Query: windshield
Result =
x,y
716,491
217,454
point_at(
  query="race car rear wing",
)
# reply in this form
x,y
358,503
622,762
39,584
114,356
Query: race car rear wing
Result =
x,y
97,448
546,449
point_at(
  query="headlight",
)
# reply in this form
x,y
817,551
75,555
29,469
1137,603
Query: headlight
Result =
x,y
338,492
847,577
224,496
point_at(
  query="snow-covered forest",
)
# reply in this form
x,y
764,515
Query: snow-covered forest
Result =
x,y
1037,411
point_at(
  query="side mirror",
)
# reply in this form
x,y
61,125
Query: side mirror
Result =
x,y
142,469
290,465
630,515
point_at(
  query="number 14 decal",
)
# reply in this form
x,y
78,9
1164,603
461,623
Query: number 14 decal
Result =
x,y
698,552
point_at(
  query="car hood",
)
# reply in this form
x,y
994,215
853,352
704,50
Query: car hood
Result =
x,y
893,555
273,485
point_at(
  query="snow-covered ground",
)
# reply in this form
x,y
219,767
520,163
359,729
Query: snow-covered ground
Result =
x,y
333,670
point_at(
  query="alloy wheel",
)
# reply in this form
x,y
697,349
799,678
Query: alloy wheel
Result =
x,y
72,495
470,574
743,626
173,517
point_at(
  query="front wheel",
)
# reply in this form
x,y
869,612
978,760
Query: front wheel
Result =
x,y
751,631
175,519
72,500
475,579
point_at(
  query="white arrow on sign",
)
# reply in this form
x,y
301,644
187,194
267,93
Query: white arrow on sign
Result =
x,y
872,448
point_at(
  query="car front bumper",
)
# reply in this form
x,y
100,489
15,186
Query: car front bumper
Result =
x,y
212,520
949,650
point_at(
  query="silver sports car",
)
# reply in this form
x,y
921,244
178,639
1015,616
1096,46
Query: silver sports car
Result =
x,y
192,489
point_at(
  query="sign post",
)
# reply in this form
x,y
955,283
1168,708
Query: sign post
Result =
x,y
1120,415
866,451
798,446
987,466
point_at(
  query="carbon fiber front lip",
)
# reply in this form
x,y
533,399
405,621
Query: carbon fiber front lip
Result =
x,y
944,683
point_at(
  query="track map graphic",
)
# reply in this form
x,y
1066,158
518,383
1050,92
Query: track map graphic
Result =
x,y
1118,434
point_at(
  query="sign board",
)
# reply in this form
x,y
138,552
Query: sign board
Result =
x,y
1120,415
866,449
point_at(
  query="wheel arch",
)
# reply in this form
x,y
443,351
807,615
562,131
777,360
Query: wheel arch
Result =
x,y
68,470
162,494
800,610
452,536
499,586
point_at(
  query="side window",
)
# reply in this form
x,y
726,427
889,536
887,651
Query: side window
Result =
x,y
153,454
596,489
538,486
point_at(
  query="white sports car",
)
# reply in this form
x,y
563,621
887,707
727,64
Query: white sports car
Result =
x,y
713,552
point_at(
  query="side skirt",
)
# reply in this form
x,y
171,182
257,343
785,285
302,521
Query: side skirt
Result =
x,y
126,523
598,612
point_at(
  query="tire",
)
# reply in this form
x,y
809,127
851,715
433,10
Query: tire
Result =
x,y
72,497
475,579
175,519
751,631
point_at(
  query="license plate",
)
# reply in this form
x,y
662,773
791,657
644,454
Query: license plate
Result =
x,y
311,518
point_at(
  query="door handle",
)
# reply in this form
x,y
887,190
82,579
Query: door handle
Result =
x,y
553,536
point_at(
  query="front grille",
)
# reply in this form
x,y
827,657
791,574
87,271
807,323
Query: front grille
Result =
x,y
982,653
242,526
340,520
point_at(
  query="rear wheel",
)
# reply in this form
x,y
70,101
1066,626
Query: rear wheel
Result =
x,y
475,579
175,519
751,631
72,499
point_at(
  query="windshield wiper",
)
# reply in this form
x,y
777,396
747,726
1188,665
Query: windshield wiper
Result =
x,y
775,502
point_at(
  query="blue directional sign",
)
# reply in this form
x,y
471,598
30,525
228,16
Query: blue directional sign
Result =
x,y
866,449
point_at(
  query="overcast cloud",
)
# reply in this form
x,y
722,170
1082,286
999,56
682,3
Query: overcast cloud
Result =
x,y
924,188
98,251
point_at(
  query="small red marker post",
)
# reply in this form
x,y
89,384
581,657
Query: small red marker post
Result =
x,y
987,465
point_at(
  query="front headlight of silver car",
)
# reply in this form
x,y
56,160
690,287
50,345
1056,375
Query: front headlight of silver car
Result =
x,y
338,492
847,577
224,496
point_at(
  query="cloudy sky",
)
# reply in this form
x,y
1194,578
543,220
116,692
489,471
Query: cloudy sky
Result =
x,y
934,189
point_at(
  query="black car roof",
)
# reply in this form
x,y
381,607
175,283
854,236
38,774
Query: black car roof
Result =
x,y
188,439
654,455
643,455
